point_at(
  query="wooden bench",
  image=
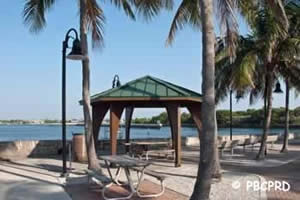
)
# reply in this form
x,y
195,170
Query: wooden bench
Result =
x,y
151,173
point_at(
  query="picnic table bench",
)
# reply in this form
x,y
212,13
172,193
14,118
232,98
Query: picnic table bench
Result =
x,y
142,149
100,177
154,174
102,180
126,163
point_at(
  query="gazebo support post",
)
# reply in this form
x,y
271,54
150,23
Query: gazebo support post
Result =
x,y
128,118
99,112
175,123
195,111
168,108
115,116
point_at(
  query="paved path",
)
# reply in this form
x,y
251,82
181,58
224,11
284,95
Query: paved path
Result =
x,y
21,181
182,179
39,178
286,167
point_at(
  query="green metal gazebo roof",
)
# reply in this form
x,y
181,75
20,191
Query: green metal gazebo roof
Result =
x,y
147,87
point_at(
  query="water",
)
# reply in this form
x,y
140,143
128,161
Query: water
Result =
x,y
53,132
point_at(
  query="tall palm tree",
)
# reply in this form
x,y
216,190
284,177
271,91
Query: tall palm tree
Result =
x,y
190,12
294,31
199,14
278,48
260,58
92,20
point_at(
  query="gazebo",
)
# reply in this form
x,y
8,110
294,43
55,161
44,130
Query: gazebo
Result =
x,y
145,92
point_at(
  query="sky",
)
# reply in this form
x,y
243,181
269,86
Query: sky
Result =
x,y
30,69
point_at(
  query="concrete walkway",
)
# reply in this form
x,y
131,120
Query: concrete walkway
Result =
x,y
33,179
25,180
182,179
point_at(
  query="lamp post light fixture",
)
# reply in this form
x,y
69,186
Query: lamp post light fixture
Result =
x,y
278,88
116,82
75,54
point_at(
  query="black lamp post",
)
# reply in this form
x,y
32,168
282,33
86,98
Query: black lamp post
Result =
x,y
75,54
230,114
238,96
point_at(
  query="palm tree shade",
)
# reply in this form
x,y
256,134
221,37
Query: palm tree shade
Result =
x,y
278,88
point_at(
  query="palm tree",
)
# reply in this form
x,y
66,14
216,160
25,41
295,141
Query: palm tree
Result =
x,y
280,44
91,20
191,12
293,32
199,14
260,58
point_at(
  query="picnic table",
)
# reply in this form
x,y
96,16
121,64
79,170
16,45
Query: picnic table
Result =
x,y
143,148
126,163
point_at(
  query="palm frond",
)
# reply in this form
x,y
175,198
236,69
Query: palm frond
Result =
x,y
238,74
34,13
227,12
278,10
290,72
257,92
242,76
188,13
125,5
150,8
248,10
95,21
287,49
223,71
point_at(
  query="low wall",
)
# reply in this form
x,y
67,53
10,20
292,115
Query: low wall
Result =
x,y
297,136
194,141
14,150
22,149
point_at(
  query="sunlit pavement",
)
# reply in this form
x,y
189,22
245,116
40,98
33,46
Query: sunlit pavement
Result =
x,y
39,178
22,181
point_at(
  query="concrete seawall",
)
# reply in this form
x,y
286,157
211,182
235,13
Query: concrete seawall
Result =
x,y
14,150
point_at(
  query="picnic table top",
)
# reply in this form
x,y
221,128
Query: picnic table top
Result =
x,y
149,143
125,161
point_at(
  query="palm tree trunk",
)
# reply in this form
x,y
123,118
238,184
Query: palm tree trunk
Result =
x,y
287,118
207,147
268,115
88,125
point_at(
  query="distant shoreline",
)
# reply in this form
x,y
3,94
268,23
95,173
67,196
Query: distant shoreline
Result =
x,y
152,125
